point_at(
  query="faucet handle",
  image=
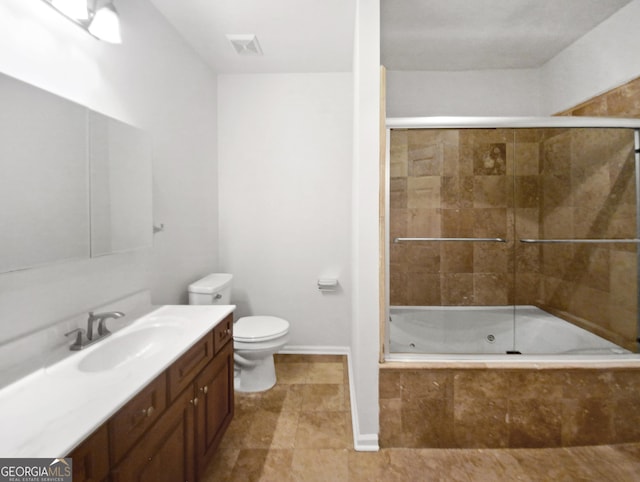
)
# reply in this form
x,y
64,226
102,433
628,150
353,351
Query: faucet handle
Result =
x,y
102,327
79,338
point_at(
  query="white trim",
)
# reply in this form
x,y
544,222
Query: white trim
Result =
x,y
314,350
445,122
367,442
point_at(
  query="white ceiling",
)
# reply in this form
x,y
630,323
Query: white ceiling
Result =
x,y
295,35
317,35
484,34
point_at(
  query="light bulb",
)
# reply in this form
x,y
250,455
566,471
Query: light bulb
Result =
x,y
106,25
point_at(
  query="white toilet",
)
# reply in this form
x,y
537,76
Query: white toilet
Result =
x,y
255,338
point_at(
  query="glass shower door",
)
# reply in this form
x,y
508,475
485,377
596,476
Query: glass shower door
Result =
x,y
451,248
575,276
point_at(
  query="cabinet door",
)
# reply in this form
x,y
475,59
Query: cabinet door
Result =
x,y
91,458
214,411
136,417
165,453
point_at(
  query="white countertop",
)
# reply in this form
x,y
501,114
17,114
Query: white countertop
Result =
x,y
50,411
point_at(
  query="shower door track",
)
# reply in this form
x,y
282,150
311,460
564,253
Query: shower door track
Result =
x,y
509,122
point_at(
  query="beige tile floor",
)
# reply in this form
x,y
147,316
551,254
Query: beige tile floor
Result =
x,y
300,430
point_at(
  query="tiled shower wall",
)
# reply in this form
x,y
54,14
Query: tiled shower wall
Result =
x,y
449,183
588,191
513,184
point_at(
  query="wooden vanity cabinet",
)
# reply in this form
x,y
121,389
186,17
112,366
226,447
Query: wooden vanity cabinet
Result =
x,y
91,458
170,430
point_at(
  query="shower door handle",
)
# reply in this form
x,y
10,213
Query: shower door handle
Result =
x,y
470,240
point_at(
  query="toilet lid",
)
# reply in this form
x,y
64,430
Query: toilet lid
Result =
x,y
259,328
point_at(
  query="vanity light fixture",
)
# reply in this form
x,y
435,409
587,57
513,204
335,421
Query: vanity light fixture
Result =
x,y
98,17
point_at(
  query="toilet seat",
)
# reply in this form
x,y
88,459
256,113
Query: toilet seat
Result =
x,y
254,329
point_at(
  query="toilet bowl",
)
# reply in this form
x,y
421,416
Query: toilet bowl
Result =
x,y
255,338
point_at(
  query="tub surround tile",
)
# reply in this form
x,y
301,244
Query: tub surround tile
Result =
x,y
423,289
415,386
456,257
491,192
493,408
423,258
588,422
457,289
429,425
535,423
423,223
398,291
531,384
480,423
457,223
472,384
527,191
423,192
491,257
492,289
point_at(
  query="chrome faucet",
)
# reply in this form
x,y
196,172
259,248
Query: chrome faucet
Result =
x,y
92,337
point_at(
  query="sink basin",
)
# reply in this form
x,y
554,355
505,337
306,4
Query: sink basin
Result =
x,y
133,345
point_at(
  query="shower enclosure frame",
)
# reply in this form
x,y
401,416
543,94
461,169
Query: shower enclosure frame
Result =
x,y
456,122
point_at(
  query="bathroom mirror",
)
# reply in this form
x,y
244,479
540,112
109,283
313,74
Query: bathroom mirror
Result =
x,y
120,160
44,188
74,183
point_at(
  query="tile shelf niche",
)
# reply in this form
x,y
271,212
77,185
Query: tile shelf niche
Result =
x,y
75,183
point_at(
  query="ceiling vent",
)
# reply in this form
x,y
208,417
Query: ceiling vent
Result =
x,y
246,44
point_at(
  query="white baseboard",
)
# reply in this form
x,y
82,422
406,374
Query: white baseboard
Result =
x,y
362,442
315,350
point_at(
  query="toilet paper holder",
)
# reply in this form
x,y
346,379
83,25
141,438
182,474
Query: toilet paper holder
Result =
x,y
327,284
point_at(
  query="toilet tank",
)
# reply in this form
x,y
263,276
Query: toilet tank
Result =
x,y
214,289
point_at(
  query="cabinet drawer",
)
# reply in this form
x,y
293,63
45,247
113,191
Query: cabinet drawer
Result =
x,y
222,333
91,458
137,416
186,368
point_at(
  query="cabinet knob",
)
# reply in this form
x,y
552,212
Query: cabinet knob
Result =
x,y
146,412
194,402
204,389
